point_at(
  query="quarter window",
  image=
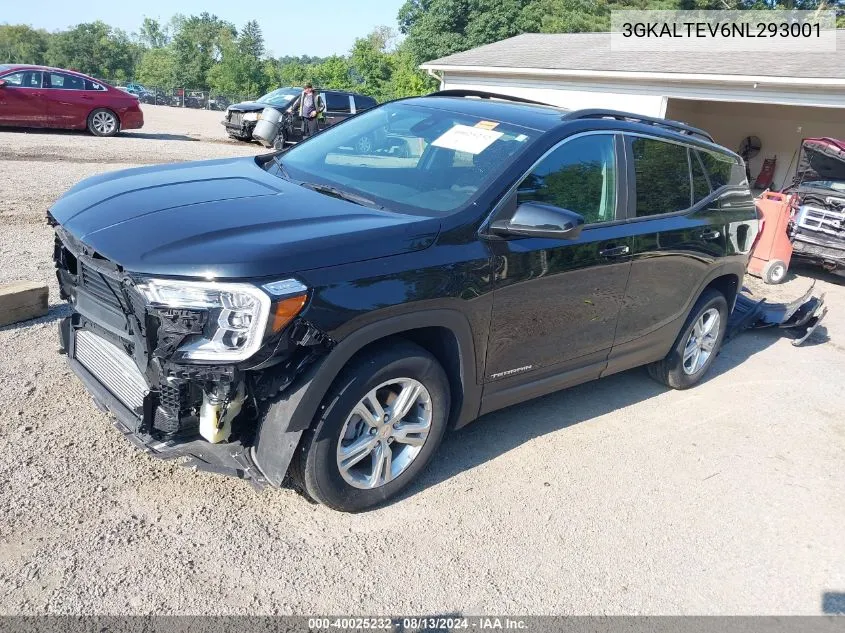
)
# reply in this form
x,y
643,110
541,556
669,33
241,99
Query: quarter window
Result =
x,y
579,175
719,167
662,177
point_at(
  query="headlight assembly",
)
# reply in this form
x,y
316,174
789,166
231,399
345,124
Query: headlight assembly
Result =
x,y
252,116
238,315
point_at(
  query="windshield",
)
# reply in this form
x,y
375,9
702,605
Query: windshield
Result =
x,y
280,96
409,157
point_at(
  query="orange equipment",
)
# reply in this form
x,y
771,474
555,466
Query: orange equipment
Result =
x,y
773,249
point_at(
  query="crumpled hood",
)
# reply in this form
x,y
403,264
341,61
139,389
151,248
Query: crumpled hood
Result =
x,y
228,219
250,106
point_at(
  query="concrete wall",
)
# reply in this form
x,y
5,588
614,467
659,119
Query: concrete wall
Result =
x,y
779,127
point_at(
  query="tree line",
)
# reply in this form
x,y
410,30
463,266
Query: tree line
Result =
x,y
206,52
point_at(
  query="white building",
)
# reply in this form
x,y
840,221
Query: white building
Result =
x,y
780,99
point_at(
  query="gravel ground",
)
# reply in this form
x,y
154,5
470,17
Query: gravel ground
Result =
x,y
611,498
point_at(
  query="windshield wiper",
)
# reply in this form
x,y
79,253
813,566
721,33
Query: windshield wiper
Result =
x,y
281,167
343,195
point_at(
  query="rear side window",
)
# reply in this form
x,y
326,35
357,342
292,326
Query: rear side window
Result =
x,y
337,102
662,177
60,81
93,85
579,175
364,103
700,184
723,170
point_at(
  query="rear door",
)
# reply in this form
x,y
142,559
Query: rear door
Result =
x,y
68,103
556,301
678,241
22,99
338,106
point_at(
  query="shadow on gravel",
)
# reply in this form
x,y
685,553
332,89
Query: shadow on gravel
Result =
x,y
128,134
502,431
160,136
54,313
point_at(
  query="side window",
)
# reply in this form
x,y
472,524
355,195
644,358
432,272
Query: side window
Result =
x,y
61,81
700,184
719,167
23,79
93,85
337,102
579,175
364,103
662,176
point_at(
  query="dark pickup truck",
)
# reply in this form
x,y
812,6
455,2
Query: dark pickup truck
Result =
x,y
327,314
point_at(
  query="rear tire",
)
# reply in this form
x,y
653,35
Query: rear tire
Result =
x,y
696,347
325,466
774,272
103,122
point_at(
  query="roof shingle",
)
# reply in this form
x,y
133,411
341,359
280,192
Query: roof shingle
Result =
x,y
591,51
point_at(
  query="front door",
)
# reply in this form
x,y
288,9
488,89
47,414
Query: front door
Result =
x,y
557,301
22,99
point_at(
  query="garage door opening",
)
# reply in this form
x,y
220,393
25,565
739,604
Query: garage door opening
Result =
x,y
780,129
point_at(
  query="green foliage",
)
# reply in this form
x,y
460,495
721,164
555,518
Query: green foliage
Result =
x,y
22,44
93,48
157,68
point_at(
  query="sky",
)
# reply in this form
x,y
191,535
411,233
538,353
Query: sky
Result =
x,y
324,28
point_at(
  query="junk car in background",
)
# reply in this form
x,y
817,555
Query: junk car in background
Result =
x,y
817,229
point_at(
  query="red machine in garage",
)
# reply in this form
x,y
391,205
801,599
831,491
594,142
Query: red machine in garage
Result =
x,y
773,250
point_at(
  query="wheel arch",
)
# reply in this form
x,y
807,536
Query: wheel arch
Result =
x,y
446,334
728,284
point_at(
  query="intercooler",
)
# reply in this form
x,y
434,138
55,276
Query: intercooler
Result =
x,y
113,367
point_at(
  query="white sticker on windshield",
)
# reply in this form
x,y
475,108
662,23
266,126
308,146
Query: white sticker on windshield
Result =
x,y
464,138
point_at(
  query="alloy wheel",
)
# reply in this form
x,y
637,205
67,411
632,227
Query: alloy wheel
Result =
x,y
384,433
701,342
104,122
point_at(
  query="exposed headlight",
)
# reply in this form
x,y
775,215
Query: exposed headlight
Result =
x,y
252,116
238,314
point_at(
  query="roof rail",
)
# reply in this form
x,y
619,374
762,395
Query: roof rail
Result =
x,y
669,124
483,94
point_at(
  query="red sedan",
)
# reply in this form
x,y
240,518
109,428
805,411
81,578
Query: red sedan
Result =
x,y
38,96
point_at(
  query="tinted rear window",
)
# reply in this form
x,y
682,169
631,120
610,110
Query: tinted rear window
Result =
x,y
363,103
662,175
337,102
723,170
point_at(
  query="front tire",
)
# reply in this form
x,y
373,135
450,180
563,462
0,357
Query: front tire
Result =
x,y
697,345
377,429
103,122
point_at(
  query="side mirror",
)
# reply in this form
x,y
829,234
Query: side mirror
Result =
x,y
535,219
2,83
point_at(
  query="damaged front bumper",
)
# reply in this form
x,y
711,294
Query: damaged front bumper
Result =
x,y
799,318
121,348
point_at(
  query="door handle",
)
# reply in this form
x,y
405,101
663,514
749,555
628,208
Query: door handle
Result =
x,y
709,235
615,251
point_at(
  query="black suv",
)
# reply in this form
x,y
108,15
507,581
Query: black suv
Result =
x,y
328,314
240,118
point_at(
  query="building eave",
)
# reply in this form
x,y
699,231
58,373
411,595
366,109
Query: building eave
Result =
x,y
638,76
